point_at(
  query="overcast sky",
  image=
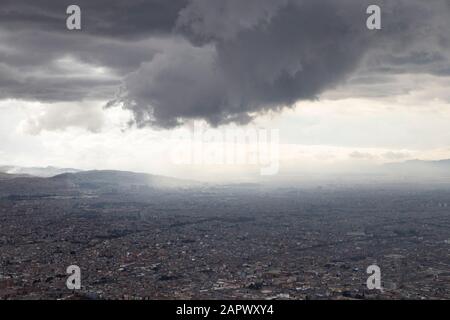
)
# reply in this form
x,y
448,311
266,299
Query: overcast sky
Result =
x,y
112,94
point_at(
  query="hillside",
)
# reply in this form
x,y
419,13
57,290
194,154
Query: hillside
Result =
x,y
110,178
43,172
106,181
437,168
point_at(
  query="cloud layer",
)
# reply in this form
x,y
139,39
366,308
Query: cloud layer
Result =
x,y
244,62
222,61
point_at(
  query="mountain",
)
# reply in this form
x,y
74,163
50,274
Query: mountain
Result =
x,y
5,176
120,179
44,172
420,167
14,185
97,181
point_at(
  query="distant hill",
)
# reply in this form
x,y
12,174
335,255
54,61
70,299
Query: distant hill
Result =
x,y
24,186
420,167
7,176
98,181
4,176
109,178
44,172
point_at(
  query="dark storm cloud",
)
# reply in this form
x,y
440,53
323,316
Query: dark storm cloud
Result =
x,y
250,56
128,19
115,35
218,60
258,55
30,61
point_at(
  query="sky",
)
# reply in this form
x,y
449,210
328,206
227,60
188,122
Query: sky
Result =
x,y
148,85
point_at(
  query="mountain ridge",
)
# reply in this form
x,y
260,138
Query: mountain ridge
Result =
x,y
97,181
43,172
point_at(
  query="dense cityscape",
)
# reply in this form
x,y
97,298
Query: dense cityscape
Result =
x,y
243,241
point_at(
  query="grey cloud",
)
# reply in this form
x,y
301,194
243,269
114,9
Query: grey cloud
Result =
x,y
222,61
29,70
415,41
205,20
130,19
391,155
117,35
181,83
362,155
56,89
283,53
265,55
